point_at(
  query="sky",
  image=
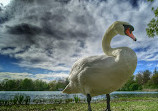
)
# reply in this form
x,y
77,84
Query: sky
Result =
x,y
41,39
5,2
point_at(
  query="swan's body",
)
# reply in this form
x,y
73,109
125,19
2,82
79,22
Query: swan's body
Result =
x,y
103,74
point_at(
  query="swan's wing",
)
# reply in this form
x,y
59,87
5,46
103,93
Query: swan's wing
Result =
x,y
101,62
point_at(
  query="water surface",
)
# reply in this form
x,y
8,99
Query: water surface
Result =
x,y
59,95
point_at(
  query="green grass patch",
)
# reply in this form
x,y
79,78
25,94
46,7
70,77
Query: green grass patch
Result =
x,y
121,104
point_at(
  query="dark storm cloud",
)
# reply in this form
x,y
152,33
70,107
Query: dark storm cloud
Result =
x,y
51,31
23,29
1,7
48,33
6,48
3,15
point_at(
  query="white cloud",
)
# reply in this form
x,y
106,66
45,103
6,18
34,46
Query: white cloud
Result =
x,y
51,76
45,77
79,26
9,75
150,65
5,2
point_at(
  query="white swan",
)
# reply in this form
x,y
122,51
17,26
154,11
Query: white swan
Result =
x,y
103,74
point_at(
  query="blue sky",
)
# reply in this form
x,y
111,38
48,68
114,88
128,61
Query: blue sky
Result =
x,y
42,40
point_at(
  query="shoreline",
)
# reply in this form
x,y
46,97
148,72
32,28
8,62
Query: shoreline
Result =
x,y
127,104
143,90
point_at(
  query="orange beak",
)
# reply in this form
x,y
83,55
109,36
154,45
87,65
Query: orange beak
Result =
x,y
130,34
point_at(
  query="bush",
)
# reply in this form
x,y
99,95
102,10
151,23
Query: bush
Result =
x,y
134,87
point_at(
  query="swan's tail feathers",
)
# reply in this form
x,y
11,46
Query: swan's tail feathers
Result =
x,y
67,89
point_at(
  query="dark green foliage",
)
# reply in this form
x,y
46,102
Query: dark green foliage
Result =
x,y
10,84
27,84
142,80
58,101
68,100
155,71
58,85
150,0
153,83
146,76
19,99
155,79
52,86
76,99
139,79
32,85
152,29
131,85
135,86
40,85
126,86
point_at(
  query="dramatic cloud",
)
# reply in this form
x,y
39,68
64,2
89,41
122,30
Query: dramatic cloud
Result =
x,y
8,75
52,35
46,77
51,76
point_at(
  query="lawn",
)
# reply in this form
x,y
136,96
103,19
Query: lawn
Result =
x,y
122,104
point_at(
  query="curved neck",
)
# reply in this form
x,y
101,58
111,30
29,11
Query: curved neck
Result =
x,y
109,34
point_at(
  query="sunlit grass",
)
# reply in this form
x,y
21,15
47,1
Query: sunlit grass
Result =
x,y
122,104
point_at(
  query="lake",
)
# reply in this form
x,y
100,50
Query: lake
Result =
x,y
6,95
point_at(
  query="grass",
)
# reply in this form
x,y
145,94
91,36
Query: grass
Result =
x,y
18,99
76,99
122,104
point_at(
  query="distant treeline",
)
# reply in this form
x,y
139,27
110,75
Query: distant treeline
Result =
x,y
32,85
142,80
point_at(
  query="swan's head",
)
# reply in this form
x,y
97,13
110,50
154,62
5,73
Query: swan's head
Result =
x,y
124,28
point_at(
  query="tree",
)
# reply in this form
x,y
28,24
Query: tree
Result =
x,y
139,79
155,71
60,85
27,84
40,85
146,76
152,29
135,86
18,84
52,86
8,85
155,80
128,83
131,85
153,83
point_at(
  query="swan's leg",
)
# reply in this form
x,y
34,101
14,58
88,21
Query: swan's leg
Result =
x,y
89,100
108,102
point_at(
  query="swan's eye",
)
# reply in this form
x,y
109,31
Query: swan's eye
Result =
x,y
128,27
132,28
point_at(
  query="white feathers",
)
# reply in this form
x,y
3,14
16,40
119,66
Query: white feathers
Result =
x,y
102,74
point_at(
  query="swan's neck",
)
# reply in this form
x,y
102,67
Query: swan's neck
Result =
x,y
109,34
